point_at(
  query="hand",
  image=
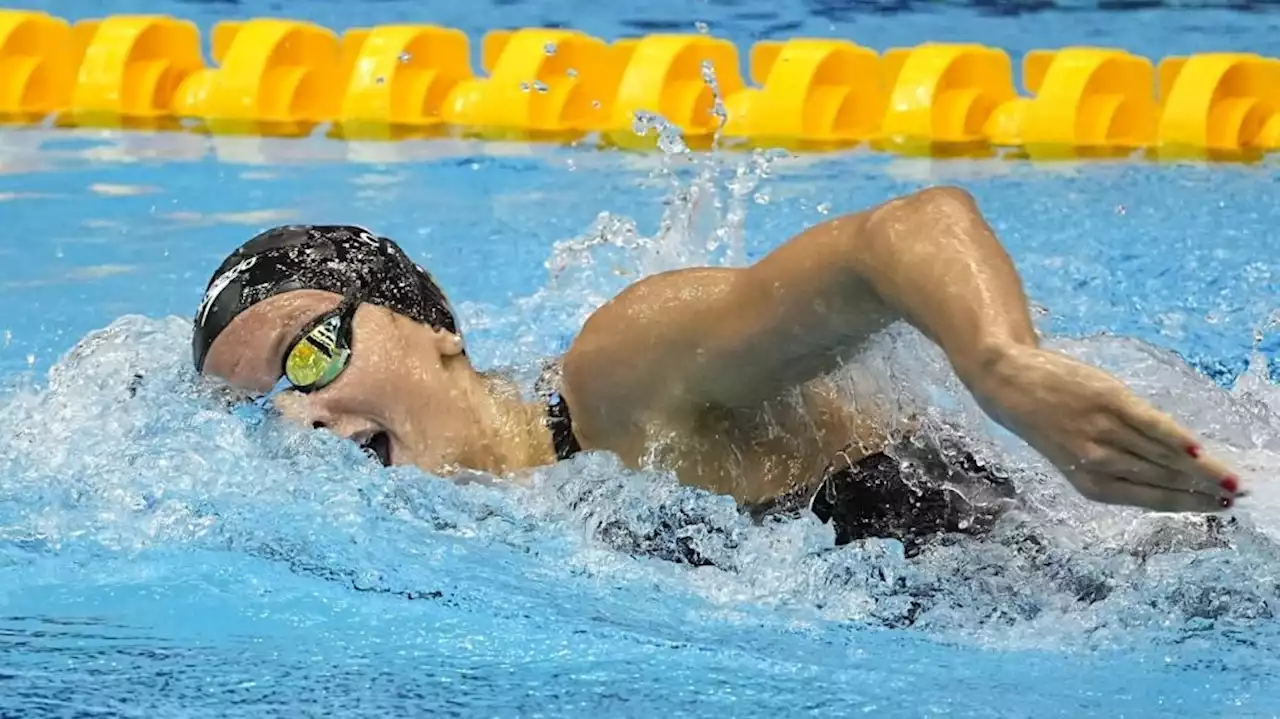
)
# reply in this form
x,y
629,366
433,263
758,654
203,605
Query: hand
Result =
x,y
1111,445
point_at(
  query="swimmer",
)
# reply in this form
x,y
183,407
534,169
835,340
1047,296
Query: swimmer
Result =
x,y
719,375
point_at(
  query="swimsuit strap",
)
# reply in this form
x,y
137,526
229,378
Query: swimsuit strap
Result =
x,y
561,425
558,418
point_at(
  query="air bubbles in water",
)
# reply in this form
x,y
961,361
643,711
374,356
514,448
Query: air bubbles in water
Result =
x,y
405,57
702,27
549,49
571,72
540,86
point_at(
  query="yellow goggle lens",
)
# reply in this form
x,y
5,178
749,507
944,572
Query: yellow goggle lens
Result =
x,y
316,359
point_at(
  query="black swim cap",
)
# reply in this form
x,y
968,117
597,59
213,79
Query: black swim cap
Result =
x,y
335,258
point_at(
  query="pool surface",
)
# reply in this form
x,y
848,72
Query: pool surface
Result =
x,y
160,557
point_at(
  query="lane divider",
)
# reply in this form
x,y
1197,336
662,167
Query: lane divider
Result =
x,y
279,77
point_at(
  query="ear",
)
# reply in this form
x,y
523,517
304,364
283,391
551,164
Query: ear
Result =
x,y
447,343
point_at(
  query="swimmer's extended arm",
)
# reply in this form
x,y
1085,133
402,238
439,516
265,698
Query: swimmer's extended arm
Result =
x,y
928,258
721,337
737,337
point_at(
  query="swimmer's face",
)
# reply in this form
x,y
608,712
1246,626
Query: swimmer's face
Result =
x,y
401,394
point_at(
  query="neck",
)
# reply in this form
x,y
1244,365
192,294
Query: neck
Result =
x,y
513,433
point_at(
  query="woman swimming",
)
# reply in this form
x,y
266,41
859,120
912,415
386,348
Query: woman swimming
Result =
x,y
717,374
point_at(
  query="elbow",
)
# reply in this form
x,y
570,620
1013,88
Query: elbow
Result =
x,y
945,195
925,212
943,201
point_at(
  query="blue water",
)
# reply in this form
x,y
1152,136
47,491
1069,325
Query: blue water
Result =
x,y
159,557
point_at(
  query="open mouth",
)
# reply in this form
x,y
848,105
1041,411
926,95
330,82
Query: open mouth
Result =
x,y
378,446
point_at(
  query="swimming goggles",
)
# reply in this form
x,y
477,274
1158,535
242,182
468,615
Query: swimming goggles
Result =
x,y
322,350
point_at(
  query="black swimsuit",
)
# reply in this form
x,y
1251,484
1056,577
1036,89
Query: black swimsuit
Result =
x,y
913,489
916,488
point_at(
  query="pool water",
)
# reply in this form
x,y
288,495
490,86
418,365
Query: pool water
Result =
x,y
160,557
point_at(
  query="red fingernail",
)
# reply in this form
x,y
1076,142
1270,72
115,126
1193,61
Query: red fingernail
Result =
x,y
1193,450
1231,484
1225,502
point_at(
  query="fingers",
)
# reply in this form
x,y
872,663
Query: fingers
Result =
x,y
1136,457
1118,491
1179,448
1138,442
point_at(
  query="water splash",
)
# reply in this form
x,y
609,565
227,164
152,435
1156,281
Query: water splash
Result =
x,y
170,468
705,206
718,110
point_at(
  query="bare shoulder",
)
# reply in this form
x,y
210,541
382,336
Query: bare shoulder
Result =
x,y
631,353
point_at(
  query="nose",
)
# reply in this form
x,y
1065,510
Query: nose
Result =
x,y
309,411
302,410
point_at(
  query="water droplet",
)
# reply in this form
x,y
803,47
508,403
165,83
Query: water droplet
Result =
x,y
524,87
761,198
824,208
571,72
405,57
1120,210
702,27
670,140
709,77
709,74
595,104
571,164
31,360
540,86
379,80
549,48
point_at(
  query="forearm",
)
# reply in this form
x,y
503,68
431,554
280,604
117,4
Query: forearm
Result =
x,y
933,260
